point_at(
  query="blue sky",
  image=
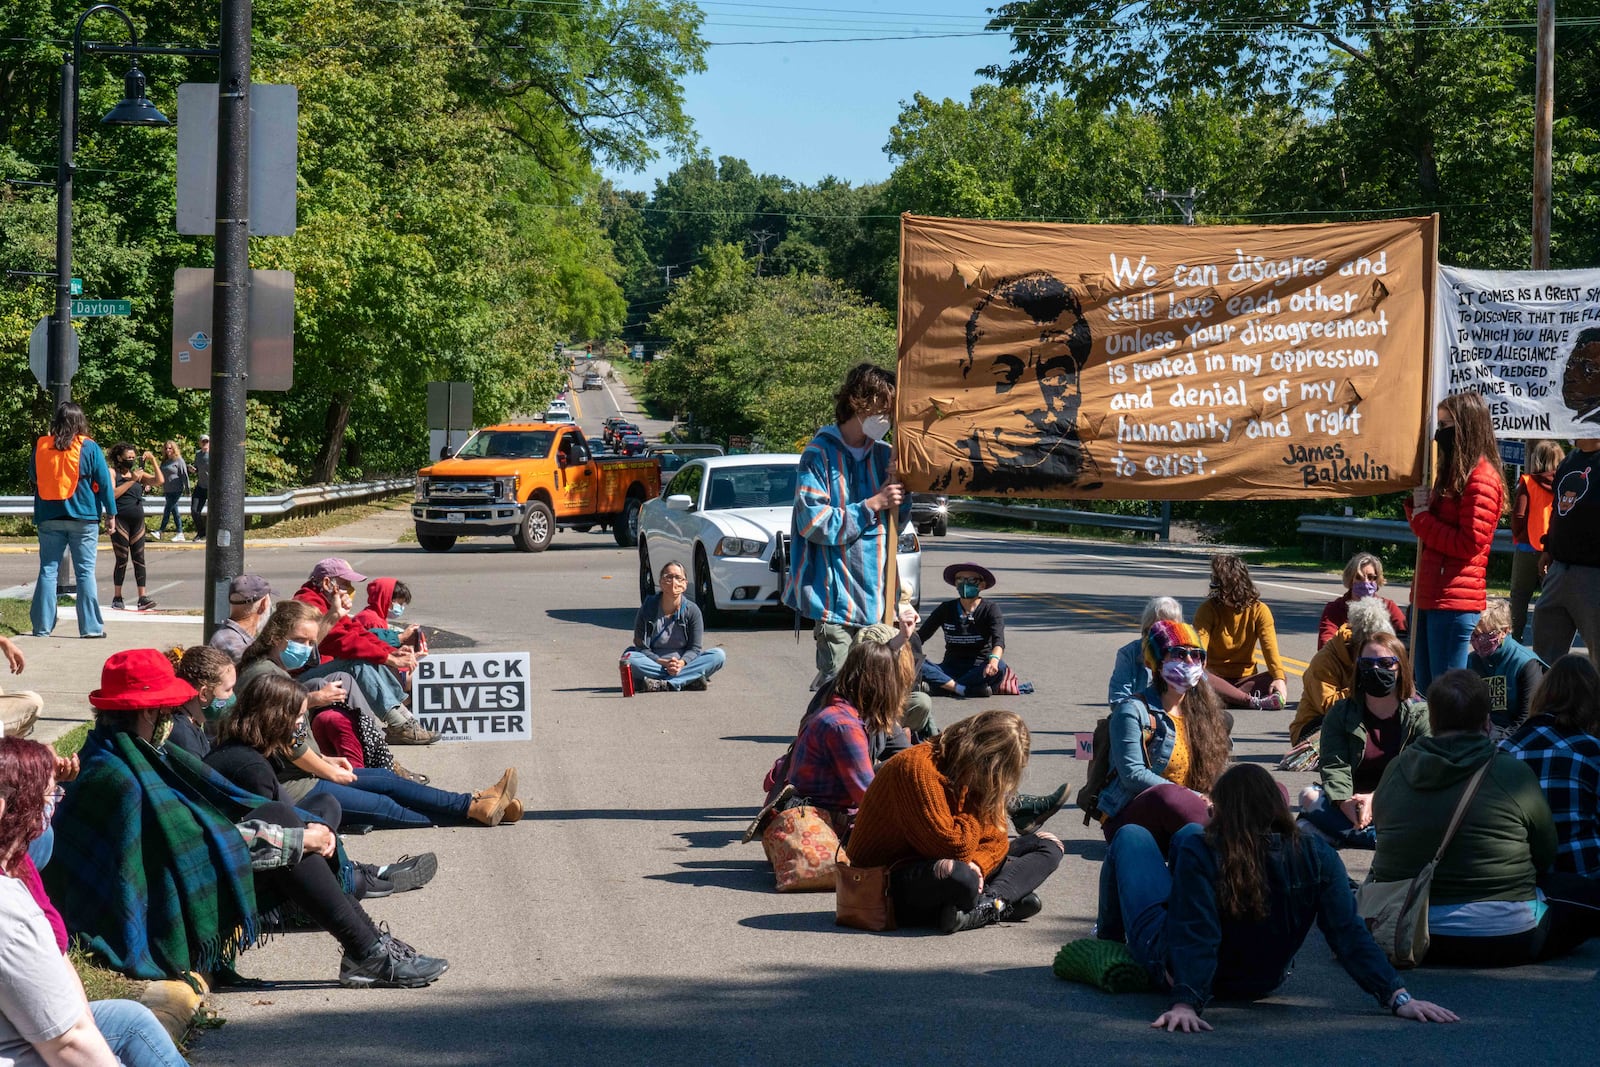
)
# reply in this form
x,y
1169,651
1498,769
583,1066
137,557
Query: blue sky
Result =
x,y
805,111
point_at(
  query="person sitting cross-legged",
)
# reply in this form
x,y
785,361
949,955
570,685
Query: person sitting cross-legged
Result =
x,y
974,639
666,656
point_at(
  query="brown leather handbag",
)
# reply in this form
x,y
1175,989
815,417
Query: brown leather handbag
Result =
x,y
862,897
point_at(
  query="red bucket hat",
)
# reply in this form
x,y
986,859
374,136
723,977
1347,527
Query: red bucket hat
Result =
x,y
137,679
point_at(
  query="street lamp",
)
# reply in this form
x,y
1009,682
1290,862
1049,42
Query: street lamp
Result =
x,y
133,110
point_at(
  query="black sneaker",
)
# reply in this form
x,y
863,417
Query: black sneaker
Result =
x,y
145,604
1029,812
390,964
117,604
410,872
978,692
1024,907
370,884
952,920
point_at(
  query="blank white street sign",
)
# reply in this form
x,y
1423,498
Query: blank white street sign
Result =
x,y
270,363
274,158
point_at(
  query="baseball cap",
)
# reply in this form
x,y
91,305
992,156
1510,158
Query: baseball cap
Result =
x,y
247,589
334,567
205,437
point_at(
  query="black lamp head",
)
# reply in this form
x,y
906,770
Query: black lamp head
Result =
x,y
134,109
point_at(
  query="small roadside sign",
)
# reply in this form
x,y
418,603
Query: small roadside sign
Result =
x,y
77,287
475,696
99,309
39,352
1513,453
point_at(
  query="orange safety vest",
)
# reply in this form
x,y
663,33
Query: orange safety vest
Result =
x,y
1540,501
57,473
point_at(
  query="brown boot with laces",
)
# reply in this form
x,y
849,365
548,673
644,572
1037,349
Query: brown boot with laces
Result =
x,y
489,805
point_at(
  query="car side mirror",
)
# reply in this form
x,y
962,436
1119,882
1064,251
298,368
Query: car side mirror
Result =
x,y
680,502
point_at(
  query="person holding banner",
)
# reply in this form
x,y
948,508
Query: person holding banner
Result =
x,y
1570,565
839,539
1531,504
1455,520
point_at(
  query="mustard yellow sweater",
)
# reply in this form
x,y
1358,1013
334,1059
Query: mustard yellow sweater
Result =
x,y
1231,637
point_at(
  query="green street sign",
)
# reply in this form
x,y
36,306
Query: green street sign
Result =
x,y
96,309
77,287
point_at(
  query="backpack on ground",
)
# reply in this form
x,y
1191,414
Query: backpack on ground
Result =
x,y
1099,771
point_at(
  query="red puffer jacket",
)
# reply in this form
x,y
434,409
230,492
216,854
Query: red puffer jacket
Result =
x,y
1457,534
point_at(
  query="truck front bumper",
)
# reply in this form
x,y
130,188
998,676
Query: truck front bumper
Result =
x,y
467,520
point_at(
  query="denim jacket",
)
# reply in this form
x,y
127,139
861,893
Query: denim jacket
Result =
x,y
1129,676
1208,954
1142,738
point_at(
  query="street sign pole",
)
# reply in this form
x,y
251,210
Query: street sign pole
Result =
x,y
58,374
230,314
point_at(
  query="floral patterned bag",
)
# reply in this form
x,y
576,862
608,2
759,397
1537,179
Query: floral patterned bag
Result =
x,y
801,844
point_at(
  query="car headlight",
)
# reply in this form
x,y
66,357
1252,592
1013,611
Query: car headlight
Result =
x,y
740,546
908,540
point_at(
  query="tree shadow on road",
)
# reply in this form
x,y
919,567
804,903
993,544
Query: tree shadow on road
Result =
x,y
617,619
752,876
760,739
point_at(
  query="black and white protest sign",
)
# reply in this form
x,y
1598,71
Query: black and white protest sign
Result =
x,y
1529,341
475,696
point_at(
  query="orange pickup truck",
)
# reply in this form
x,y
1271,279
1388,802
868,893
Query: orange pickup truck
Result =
x,y
526,480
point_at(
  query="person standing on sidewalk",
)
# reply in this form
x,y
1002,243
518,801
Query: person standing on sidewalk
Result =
x,y
71,490
1531,504
127,527
839,536
1570,603
201,470
174,483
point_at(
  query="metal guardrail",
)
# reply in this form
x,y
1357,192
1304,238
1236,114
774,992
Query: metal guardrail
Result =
x,y
281,504
1385,531
1152,524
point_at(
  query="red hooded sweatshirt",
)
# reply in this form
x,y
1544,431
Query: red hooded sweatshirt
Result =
x,y
380,595
348,639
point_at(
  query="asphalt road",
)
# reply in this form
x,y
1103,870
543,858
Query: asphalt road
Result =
x,y
621,921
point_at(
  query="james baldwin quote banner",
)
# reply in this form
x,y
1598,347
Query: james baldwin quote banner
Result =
x,y
1162,362
1529,341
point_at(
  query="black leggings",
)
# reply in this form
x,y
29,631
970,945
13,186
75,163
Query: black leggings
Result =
x,y
314,886
1572,917
920,894
127,541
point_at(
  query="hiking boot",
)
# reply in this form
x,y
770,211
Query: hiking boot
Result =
x,y
656,685
117,604
410,872
489,806
952,920
513,811
1024,907
390,964
697,685
1029,812
410,732
370,885
145,604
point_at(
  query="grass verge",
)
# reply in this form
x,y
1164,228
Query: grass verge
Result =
x,y
14,618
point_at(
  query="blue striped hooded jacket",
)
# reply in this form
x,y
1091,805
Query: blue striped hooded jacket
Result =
x,y
838,545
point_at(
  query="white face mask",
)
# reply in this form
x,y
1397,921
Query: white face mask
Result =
x,y
876,427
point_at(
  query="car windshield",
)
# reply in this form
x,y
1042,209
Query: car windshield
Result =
x,y
751,487
507,444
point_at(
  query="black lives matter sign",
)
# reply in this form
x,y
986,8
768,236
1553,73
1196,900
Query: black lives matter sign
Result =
x,y
475,696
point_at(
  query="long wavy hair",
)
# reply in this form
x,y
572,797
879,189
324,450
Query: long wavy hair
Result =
x,y
983,757
68,423
276,630
1474,444
26,768
1570,693
872,682
1210,746
265,717
1247,807
1234,589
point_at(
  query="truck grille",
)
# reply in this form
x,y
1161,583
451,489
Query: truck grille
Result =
x,y
462,490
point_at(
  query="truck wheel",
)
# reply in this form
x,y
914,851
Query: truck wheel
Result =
x,y
626,528
538,528
647,577
705,595
436,542
941,526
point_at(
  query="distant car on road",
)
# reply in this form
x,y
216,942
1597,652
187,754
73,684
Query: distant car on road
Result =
x,y
676,455
727,518
561,415
593,381
614,435
633,444
559,404
930,512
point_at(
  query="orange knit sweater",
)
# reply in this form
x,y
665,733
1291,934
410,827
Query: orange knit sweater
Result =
x,y
908,814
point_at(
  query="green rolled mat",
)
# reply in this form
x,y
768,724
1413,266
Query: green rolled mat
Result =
x,y
1106,965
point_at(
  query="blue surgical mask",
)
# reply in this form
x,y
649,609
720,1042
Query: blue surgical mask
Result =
x,y
396,610
296,654
216,709
969,588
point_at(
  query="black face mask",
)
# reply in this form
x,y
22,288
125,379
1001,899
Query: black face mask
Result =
x,y
1445,438
1376,681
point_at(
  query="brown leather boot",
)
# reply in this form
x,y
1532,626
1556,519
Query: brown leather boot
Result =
x,y
489,805
513,811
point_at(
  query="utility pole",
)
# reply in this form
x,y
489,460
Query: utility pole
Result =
x,y
1543,123
1184,201
667,271
58,374
230,314
761,237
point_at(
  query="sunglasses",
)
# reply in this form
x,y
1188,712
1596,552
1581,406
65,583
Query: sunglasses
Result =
x,y
1193,655
1387,663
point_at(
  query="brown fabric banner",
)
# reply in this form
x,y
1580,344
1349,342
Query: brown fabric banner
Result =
x,y
1163,362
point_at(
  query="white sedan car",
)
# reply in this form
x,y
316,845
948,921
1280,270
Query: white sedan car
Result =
x,y
727,520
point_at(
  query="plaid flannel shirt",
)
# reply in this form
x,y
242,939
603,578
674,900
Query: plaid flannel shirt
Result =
x,y
1568,766
832,761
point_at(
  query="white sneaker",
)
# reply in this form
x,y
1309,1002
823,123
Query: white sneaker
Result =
x,y
177,537
156,536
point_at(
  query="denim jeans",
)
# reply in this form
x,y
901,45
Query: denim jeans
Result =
x,y
387,801
171,512
1443,640
378,685
135,1037
57,537
1135,885
707,663
937,674
1333,823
